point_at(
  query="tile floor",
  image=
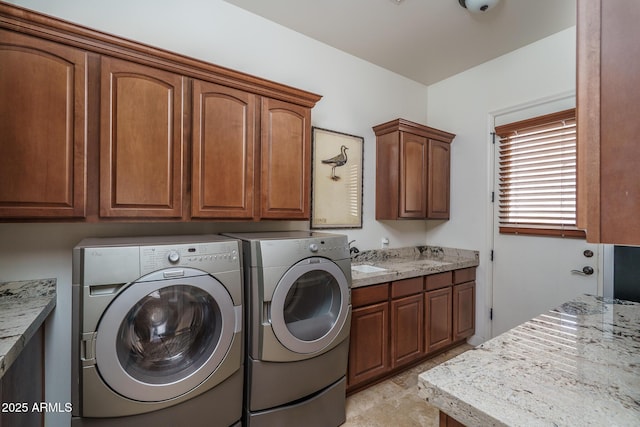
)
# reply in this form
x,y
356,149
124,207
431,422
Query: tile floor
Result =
x,y
395,402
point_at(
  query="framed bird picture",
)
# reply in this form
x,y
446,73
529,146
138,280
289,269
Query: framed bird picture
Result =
x,y
336,190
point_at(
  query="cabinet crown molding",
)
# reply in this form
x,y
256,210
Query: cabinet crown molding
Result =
x,y
404,125
26,21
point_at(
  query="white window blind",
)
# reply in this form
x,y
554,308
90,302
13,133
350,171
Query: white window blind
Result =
x,y
537,176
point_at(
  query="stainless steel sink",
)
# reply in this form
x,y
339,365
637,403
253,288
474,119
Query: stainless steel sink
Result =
x,y
365,268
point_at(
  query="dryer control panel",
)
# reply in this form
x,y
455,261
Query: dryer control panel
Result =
x,y
278,252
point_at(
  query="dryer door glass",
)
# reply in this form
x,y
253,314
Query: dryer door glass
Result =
x,y
168,334
312,305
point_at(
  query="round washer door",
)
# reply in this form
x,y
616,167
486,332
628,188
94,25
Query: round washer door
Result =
x,y
160,339
310,305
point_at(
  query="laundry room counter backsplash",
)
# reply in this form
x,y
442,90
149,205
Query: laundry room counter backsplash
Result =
x,y
404,263
24,306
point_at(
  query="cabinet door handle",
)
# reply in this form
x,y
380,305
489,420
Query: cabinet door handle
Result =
x,y
586,271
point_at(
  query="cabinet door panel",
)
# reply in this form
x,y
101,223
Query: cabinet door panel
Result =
x,y
387,176
438,185
406,330
141,144
464,310
42,131
413,183
223,152
438,317
286,160
369,343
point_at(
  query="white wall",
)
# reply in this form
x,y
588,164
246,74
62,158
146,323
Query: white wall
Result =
x,y
464,104
356,96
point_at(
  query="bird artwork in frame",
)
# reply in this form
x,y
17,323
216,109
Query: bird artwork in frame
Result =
x,y
336,180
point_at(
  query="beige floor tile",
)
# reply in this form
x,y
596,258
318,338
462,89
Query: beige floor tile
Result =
x,y
395,402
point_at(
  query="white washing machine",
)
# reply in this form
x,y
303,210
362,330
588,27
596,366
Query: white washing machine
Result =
x,y
157,332
297,287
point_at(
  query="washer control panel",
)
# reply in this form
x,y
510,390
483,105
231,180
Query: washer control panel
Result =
x,y
210,257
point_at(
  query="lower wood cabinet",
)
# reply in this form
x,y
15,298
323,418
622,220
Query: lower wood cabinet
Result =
x,y
464,303
406,330
438,319
447,421
369,349
395,325
369,341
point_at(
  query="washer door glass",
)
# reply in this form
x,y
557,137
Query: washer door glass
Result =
x,y
160,339
310,305
169,334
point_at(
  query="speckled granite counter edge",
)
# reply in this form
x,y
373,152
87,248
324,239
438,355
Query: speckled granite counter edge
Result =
x,y
405,263
24,306
573,365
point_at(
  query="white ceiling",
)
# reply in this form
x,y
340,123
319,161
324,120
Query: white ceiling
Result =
x,y
424,40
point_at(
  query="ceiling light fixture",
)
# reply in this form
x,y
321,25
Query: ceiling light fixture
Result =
x,y
397,1
478,6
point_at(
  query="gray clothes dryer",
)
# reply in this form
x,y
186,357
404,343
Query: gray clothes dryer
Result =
x,y
298,299
157,331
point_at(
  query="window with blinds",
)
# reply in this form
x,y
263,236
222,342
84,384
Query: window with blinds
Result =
x,y
537,176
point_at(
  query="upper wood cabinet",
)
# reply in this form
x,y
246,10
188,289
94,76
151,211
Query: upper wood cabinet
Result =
x,y
285,183
413,176
42,128
141,143
412,171
103,128
228,181
608,107
223,152
438,180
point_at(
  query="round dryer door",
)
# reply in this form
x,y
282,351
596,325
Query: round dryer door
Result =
x,y
310,305
160,339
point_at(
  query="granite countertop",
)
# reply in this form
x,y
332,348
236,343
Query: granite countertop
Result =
x,y
576,365
404,263
24,306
